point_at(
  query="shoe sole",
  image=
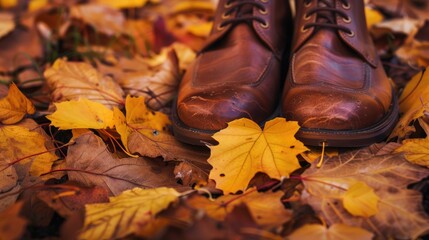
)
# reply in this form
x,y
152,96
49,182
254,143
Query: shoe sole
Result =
x,y
352,138
199,137
190,135
309,136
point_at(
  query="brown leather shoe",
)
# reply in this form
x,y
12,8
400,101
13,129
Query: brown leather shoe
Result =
x,y
238,73
336,87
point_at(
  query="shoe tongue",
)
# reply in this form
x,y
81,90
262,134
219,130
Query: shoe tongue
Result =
x,y
326,16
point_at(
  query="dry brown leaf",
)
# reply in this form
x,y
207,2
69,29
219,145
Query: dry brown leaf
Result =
x,y
408,8
405,26
158,85
12,226
71,198
334,232
20,47
8,184
90,163
191,175
7,24
163,144
75,80
266,215
102,18
400,215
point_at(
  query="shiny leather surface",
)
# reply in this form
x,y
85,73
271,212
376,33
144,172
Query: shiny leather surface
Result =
x,y
335,79
238,72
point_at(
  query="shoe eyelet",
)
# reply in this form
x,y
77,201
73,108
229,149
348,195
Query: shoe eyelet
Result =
x,y
225,16
347,20
304,29
263,11
264,1
306,17
220,27
265,25
307,4
351,34
346,5
227,4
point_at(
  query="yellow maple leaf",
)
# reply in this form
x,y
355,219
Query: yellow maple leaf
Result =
x,y
372,17
244,150
335,232
414,101
15,106
82,113
19,143
360,200
125,213
138,118
125,3
416,151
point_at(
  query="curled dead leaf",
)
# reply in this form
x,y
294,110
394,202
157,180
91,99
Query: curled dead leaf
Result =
x,y
90,163
158,85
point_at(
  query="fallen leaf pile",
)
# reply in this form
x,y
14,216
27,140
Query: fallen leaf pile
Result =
x,y
87,152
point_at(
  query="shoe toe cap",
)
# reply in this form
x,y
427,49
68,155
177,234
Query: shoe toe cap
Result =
x,y
332,110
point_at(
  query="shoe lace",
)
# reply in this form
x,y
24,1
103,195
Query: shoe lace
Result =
x,y
325,10
244,12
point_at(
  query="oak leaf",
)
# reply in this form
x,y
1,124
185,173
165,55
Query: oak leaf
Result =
x,y
266,215
12,226
414,101
82,113
125,213
244,150
400,212
416,151
90,163
334,232
138,118
15,106
76,80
